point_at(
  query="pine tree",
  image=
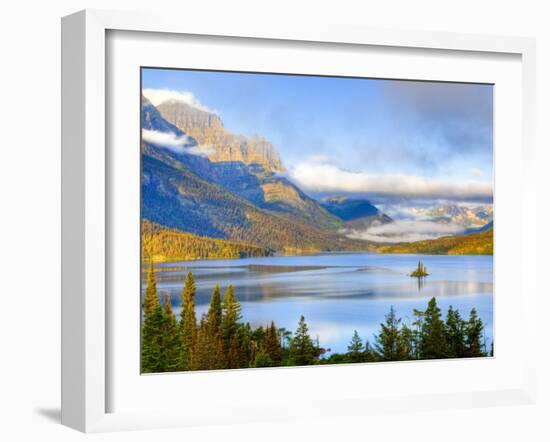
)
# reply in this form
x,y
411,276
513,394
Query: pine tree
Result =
x,y
214,319
231,316
302,350
201,358
454,334
151,327
219,352
474,334
171,338
233,359
188,322
151,300
355,348
418,327
262,359
272,345
152,343
246,350
285,337
407,343
389,343
215,311
433,343
369,355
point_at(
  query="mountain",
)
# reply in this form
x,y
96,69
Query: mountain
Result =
x,y
220,144
480,243
175,197
487,226
455,214
250,168
356,213
183,189
285,198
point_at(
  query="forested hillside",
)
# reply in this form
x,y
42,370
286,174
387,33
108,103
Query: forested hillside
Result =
x,y
473,244
162,244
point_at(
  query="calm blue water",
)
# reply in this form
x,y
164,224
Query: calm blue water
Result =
x,y
338,293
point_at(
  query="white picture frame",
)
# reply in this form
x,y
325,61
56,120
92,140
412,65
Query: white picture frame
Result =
x,y
86,210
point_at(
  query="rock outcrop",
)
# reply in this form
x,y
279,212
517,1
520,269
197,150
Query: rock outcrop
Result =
x,y
219,144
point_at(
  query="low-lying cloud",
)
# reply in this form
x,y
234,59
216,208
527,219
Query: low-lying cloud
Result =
x,y
178,144
158,96
327,178
406,231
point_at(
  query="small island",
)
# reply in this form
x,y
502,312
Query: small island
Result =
x,y
420,271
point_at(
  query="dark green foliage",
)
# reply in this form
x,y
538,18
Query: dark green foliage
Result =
x,y
407,342
200,358
247,347
272,346
172,339
390,344
231,315
302,350
474,336
215,311
454,334
369,355
221,341
356,349
152,341
433,344
151,300
188,321
262,359
152,329
160,341
233,359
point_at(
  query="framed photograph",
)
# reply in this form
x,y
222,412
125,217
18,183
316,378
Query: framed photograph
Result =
x,y
284,223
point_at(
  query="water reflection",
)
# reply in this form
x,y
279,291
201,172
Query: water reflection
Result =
x,y
337,293
421,283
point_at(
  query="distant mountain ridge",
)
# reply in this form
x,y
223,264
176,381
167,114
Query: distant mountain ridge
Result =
x,y
356,213
487,226
461,216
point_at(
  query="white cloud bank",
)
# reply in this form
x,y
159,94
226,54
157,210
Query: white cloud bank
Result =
x,y
178,144
322,177
406,231
158,96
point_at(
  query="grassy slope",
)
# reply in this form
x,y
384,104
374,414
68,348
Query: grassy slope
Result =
x,y
474,244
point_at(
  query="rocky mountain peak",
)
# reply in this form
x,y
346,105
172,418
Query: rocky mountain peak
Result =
x,y
222,145
186,116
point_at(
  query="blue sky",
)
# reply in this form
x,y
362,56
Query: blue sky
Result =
x,y
381,138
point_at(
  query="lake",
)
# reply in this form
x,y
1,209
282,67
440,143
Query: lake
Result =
x,y
338,292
